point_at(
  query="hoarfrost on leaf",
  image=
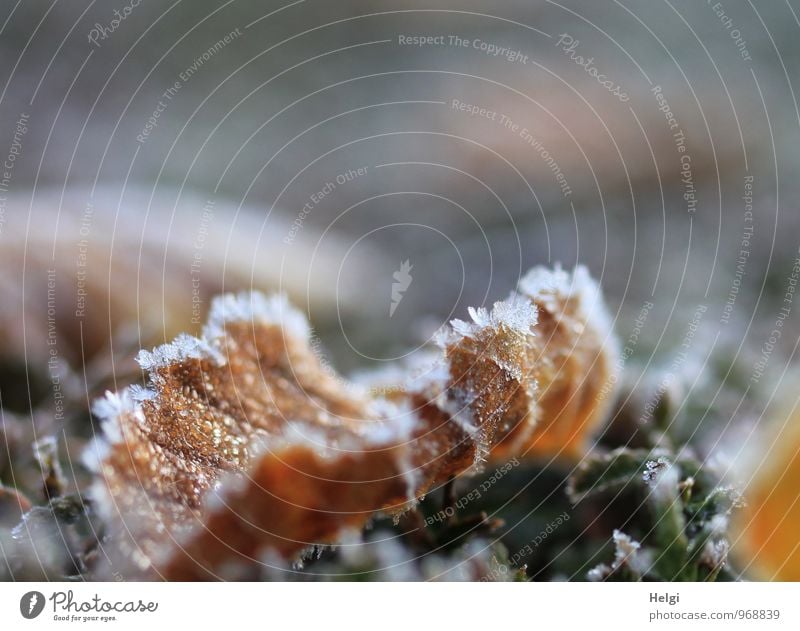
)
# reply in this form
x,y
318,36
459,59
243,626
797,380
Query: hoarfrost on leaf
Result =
x,y
652,469
625,549
598,573
271,451
183,348
255,307
517,313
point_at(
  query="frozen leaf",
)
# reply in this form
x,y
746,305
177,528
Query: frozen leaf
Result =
x,y
244,444
574,354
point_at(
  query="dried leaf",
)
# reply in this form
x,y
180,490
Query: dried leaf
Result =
x,y
245,444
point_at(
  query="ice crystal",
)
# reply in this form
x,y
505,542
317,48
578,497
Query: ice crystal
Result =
x,y
665,482
257,308
183,348
652,469
598,573
625,549
516,313
715,553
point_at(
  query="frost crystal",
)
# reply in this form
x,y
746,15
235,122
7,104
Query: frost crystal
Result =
x,y
112,405
552,286
664,480
516,313
255,307
110,408
599,573
652,469
625,549
715,553
541,281
184,347
398,427
139,394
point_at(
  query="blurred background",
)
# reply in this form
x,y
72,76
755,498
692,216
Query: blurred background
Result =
x,y
158,153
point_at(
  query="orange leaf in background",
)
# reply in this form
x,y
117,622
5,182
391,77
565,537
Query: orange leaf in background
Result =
x,y
768,523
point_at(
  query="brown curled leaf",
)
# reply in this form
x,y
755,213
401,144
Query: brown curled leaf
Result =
x,y
246,445
574,355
